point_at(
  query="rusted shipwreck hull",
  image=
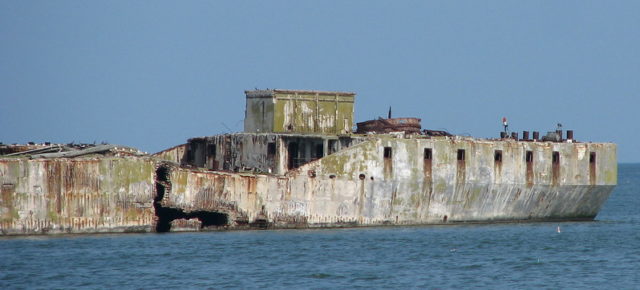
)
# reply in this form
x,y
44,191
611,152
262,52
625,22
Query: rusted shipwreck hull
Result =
x,y
387,180
298,165
143,194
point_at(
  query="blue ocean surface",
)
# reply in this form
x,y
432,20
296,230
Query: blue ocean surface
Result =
x,y
600,254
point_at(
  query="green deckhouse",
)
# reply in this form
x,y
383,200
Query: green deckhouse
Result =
x,y
289,111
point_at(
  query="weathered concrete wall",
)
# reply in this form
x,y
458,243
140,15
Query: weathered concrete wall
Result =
x,y
174,154
259,114
358,186
314,113
76,195
385,180
404,189
285,111
407,161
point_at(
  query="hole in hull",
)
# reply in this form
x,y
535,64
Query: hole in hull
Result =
x,y
168,214
209,218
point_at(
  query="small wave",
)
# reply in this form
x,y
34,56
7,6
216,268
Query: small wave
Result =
x,y
320,276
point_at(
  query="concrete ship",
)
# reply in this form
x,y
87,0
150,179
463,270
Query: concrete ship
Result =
x,y
300,164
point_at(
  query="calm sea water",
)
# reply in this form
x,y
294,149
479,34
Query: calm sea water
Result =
x,y
601,254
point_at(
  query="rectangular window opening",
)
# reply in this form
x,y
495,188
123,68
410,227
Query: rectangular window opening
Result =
x,y
294,161
212,150
555,166
271,149
592,168
190,156
191,153
319,151
333,146
497,156
529,156
387,152
461,154
427,154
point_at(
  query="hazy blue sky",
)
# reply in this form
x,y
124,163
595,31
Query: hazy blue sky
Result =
x,y
151,74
